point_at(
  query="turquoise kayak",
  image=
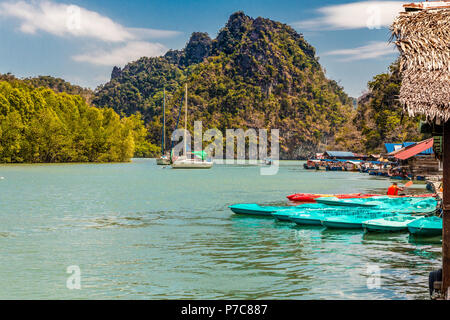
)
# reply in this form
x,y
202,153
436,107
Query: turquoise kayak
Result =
x,y
315,217
257,210
353,221
409,205
303,210
333,201
284,214
426,226
253,209
389,224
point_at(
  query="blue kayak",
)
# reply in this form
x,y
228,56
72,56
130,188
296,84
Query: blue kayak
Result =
x,y
426,226
353,221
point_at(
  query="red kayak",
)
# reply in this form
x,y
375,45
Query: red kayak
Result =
x,y
311,197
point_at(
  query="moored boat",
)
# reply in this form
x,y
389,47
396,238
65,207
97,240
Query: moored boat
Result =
x,y
333,201
184,162
426,226
315,217
353,221
163,161
253,209
284,214
389,224
311,197
256,209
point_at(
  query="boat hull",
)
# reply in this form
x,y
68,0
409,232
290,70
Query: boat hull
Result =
x,y
341,225
281,217
252,210
380,228
427,226
192,165
427,232
308,221
162,162
343,203
391,224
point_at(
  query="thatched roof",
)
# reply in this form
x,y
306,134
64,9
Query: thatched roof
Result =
x,y
423,38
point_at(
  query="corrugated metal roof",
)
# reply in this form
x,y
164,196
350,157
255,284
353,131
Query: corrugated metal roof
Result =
x,y
414,149
425,152
391,147
339,154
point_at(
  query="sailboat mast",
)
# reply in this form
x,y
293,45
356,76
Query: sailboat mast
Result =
x,y
185,120
164,124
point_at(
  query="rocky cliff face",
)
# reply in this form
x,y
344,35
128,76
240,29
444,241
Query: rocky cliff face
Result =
x,y
257,73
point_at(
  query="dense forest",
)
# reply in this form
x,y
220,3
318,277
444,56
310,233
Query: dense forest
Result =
x,y
257,73
38,124
379,117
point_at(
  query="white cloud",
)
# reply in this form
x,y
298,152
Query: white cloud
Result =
x,y
355,15
153,33
372,50
70,20
122,55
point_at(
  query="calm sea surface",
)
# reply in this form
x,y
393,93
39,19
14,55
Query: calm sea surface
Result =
x,y
141,231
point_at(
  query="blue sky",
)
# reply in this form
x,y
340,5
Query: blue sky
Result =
x,y
80,41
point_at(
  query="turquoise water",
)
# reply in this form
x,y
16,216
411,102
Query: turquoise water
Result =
x,y
141,231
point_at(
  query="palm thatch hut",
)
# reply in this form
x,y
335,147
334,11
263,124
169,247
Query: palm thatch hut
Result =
x,y
423,38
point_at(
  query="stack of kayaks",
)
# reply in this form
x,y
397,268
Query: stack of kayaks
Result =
x,y
376,213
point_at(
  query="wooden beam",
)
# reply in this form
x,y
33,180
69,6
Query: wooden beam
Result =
x,y
446,214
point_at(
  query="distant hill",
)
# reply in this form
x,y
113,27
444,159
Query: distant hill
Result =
x,y
56,84
257,73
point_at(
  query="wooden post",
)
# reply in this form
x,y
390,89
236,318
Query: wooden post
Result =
x,y
446,208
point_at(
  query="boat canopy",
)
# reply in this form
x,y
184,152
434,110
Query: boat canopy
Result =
x,y
200,154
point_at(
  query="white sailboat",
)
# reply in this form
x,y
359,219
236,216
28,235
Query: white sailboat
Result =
x,y
185,162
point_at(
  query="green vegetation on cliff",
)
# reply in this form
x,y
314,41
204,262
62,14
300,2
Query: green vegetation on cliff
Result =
x,y
257,73
379,117
40,125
